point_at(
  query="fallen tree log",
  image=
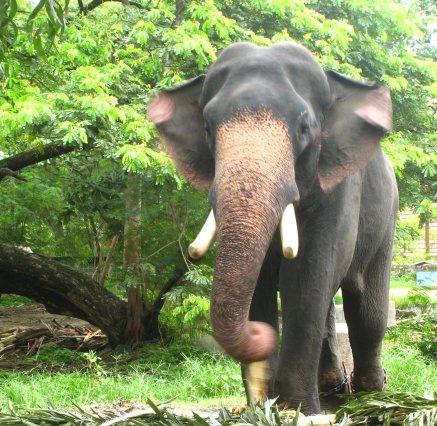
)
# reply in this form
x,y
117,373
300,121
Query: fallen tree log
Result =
x,y
66,291
62,290
31,339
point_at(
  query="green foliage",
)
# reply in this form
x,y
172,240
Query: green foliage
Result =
x,y
417,297
403,280
52,354
186,313
181,372
94,363
418,332
338,298
191,318
427,211
12,300
387,408
92,87
408,370
406,234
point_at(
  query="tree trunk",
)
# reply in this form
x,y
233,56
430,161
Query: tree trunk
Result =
x,y
132,223
134,333
62,290
427,247
103,268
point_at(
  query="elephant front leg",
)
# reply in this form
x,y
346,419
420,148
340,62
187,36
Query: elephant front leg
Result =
x,y
333,380
305,299
257,376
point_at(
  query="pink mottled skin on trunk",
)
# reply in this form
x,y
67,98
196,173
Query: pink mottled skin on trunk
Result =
x,y
253,156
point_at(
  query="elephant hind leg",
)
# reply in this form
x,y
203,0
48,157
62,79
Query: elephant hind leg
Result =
x,y
365,308
332,378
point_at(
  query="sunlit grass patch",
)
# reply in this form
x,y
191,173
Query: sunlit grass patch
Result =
x,y
193,377
408,370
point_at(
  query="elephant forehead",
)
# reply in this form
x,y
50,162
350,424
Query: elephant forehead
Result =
x,y
256,136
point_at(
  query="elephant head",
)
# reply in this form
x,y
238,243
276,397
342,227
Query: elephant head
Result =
x,y
263,129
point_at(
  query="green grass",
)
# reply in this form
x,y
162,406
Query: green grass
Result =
x,y
418,297
404,280
53,354
12,300
187,374
409,371
177,373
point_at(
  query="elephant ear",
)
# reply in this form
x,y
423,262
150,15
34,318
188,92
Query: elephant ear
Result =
x,y
360,115
179,119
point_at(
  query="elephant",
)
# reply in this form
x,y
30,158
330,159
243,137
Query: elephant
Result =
x,y
304,203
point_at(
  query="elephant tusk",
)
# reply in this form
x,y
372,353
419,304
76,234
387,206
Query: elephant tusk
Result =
x,y
289,234
256,380
204,239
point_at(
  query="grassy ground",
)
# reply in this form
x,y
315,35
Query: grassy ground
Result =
x,y
10,300
66,378
181,372
177,371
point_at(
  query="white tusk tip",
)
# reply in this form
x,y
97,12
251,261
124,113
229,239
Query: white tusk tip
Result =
x,y
289,234
194,252
289,252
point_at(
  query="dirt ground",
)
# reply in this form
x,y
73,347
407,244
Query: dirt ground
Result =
x,y
33,316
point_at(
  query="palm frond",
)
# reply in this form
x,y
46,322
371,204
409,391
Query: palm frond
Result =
x,y
387,408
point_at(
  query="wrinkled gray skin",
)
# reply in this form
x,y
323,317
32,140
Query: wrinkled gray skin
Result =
x,y
345,196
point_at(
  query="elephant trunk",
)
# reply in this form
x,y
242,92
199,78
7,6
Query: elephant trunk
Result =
x,y
253,187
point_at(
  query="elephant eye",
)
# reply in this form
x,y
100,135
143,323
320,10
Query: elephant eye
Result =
x,y
304,129
209,139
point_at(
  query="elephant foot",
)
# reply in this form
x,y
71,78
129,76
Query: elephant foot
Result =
x,y
332,385
371,380
238,409
308,405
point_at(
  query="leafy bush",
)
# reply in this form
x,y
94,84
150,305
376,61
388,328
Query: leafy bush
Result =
x,y
403,279
186,312
407,232
417,297
417,332
190,319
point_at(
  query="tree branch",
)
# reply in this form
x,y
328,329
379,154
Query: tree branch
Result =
x,y
94,4
34,156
